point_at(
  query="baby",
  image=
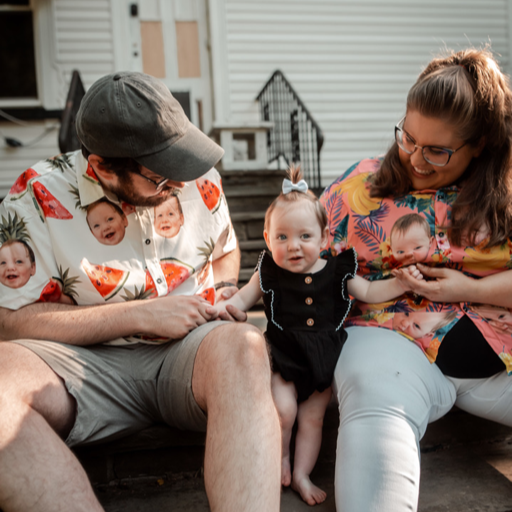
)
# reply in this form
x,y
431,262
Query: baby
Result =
x,y
410,239
306,301
418,324
107,222
169,217
17,263
498,317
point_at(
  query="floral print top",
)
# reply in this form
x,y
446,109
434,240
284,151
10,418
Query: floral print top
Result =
x,y
63,240
380,231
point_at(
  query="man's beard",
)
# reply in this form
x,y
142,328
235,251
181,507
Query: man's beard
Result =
x,y
126,191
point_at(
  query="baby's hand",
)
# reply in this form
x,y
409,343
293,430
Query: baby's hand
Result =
x,y
407,276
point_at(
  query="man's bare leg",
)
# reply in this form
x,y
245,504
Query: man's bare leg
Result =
x,y
231,382
37,471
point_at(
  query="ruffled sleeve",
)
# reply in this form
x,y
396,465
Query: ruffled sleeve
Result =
x,y
268,272
346,264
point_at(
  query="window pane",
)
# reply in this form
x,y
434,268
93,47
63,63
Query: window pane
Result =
x,y
14,2
17,61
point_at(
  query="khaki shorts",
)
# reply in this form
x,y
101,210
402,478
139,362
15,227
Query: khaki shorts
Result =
x,y
122,389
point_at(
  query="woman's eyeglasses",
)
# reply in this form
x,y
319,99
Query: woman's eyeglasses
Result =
x,y
432,154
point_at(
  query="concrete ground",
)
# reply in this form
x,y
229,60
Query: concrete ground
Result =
x,y
457,475
466,466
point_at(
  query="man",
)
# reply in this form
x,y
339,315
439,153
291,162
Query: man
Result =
x,y
103,366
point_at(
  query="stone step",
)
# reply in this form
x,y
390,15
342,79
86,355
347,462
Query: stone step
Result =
x,y
235,178
464,465
249,203
248,226
245,275
260,190
253,245
247,216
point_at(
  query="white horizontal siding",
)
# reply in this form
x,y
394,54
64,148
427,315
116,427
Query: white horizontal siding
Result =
x,y
351,62
83,38
13,161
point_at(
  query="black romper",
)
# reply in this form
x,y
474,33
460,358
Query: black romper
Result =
x,y
305,314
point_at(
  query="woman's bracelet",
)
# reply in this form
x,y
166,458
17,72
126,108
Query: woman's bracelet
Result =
x,y
223,284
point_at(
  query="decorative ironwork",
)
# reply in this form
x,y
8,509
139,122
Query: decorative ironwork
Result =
x,y
296,136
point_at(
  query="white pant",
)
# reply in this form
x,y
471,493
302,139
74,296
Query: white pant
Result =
x,y
387,393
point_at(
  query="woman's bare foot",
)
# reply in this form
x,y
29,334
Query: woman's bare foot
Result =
x,y
286,472
308,491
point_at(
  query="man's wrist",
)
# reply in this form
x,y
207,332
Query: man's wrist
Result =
x,y
223,284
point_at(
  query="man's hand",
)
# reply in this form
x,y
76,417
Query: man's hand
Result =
x,y
445,285
230,312
175,316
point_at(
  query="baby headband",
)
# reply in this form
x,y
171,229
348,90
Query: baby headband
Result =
x,y
288,186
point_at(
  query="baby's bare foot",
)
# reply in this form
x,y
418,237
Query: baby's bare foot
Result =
x,y
286,472
308,491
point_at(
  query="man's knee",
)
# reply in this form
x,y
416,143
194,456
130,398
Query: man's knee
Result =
x,y
239,344
27,384
232,356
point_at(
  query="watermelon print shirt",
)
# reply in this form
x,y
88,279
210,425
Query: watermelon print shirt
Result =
x,y
63,240
365,223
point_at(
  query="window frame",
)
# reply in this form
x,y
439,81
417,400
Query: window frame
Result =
x,y
42,25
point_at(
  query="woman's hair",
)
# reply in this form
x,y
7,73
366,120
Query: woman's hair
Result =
x,y
468,91
295,175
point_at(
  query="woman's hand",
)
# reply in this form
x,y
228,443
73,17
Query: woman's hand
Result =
x,y
403,276
445,285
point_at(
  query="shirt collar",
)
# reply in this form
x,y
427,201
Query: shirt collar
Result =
x,y
89,187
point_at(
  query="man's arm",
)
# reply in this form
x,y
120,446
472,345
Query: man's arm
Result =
x,y
172,316
227,267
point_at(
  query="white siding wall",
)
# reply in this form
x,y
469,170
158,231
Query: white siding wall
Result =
x,y
351,62
83,39
80,37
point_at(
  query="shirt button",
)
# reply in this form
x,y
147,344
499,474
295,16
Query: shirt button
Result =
x,y
159,280
148,241
310,322
309,301
308,280
441,234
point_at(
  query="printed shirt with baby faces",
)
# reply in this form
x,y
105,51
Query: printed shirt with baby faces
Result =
x,y
62,240
365,223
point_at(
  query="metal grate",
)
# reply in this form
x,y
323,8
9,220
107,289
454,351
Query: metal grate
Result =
x,y
295,136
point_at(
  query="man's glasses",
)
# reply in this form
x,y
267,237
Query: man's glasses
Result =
x,y
432,154
158,184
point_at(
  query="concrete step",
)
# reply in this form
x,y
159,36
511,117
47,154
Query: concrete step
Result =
x,y
253,245
245,275
273,178
466,465
247,216
248,225
246,190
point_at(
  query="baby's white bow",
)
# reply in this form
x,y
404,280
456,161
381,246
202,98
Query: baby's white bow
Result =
x,y
288,186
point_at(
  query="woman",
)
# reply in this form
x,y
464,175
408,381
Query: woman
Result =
x,y
450,164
